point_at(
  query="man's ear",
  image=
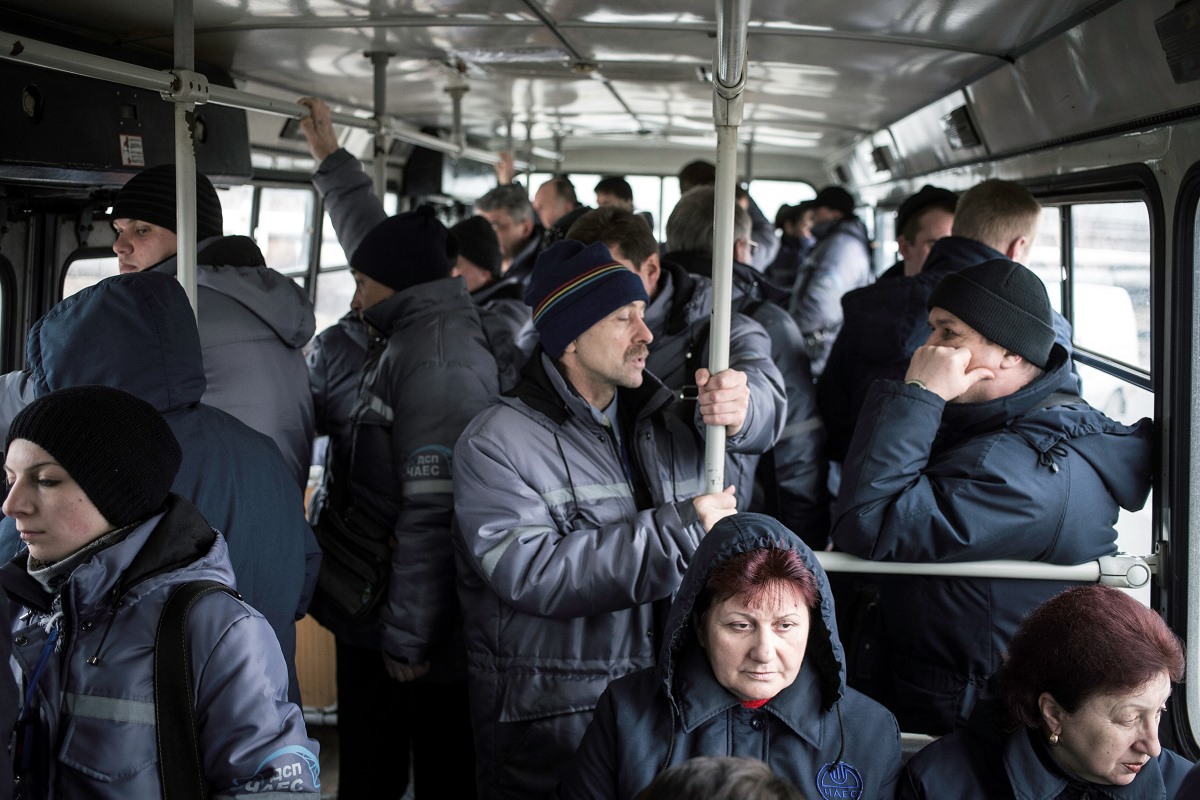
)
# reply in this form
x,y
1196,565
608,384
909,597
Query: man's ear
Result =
x,y
1011,359
569,348
650,269
1018,249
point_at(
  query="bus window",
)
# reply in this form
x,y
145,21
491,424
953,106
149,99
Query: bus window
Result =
x,y
237,205
335,288
332,254
335,284
87,267
770,195
650,193
648,196
284,232
1111,284
1047,258
1104,264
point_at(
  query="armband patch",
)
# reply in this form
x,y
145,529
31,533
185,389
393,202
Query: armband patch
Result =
x,y
430,462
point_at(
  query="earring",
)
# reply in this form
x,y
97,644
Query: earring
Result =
x,y
1053,739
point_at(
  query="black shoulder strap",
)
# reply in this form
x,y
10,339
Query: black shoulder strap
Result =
x,y
1059,399
180,770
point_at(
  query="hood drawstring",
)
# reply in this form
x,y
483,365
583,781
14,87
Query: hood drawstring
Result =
x,y
671,744
112,616
671,465
570,481
841,733
1045,458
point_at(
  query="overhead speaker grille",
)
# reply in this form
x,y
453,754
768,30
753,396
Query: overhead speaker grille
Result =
x,y
960,131
882,158
1179,34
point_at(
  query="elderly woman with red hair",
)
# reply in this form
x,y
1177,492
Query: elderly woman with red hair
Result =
x,y
750,666
1085,681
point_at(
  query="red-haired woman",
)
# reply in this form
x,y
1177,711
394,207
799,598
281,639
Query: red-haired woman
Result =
x,y
1086,679
751,666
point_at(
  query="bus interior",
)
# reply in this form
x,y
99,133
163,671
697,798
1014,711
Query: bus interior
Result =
x,y
1093,105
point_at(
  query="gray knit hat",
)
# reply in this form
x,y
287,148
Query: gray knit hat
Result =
x,y
1003,301
117,447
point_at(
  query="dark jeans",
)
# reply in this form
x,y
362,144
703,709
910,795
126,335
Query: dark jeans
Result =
x,y
380,719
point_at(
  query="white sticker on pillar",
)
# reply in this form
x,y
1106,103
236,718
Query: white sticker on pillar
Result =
x,y
132,154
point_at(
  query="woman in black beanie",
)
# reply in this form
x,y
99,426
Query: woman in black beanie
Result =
x,y
89,471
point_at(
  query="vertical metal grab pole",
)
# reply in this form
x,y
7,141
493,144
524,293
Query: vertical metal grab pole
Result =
x,y
185,156
383,139
729,78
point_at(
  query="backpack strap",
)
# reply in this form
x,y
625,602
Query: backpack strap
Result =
x,y
180,770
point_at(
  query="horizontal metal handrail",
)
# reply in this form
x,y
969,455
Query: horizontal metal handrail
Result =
x,y
50,56
1121,570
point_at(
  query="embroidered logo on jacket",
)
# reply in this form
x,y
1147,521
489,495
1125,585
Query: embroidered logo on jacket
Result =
x,y
839,781
275,774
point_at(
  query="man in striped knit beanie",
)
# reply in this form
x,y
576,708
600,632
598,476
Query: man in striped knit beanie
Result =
x,y
580,498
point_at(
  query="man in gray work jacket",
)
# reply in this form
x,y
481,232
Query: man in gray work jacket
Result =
x,y
579,500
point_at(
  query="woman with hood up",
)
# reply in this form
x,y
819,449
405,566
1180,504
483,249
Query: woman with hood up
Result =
x,y
751,666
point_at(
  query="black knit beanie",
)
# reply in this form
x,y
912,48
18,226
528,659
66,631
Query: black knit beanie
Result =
x,y
837,198
1003,301
916,203
406,250
150,197
477,243
117,447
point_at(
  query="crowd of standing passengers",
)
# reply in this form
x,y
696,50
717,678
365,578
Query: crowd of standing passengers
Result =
x,y
515,547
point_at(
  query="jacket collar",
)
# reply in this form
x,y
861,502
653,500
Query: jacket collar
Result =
x,y
701,697
1031,780
233,251
970,419
748,283
388,315
851,226
546,390
691,296
167,541
954,253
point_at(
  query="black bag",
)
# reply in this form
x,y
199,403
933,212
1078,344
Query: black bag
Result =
x,y
356,559
179,769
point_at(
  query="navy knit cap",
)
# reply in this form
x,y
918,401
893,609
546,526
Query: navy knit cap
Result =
x,y
477,243
835,197
150,197
574,286
1003,301
406,250
117,447
915,203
